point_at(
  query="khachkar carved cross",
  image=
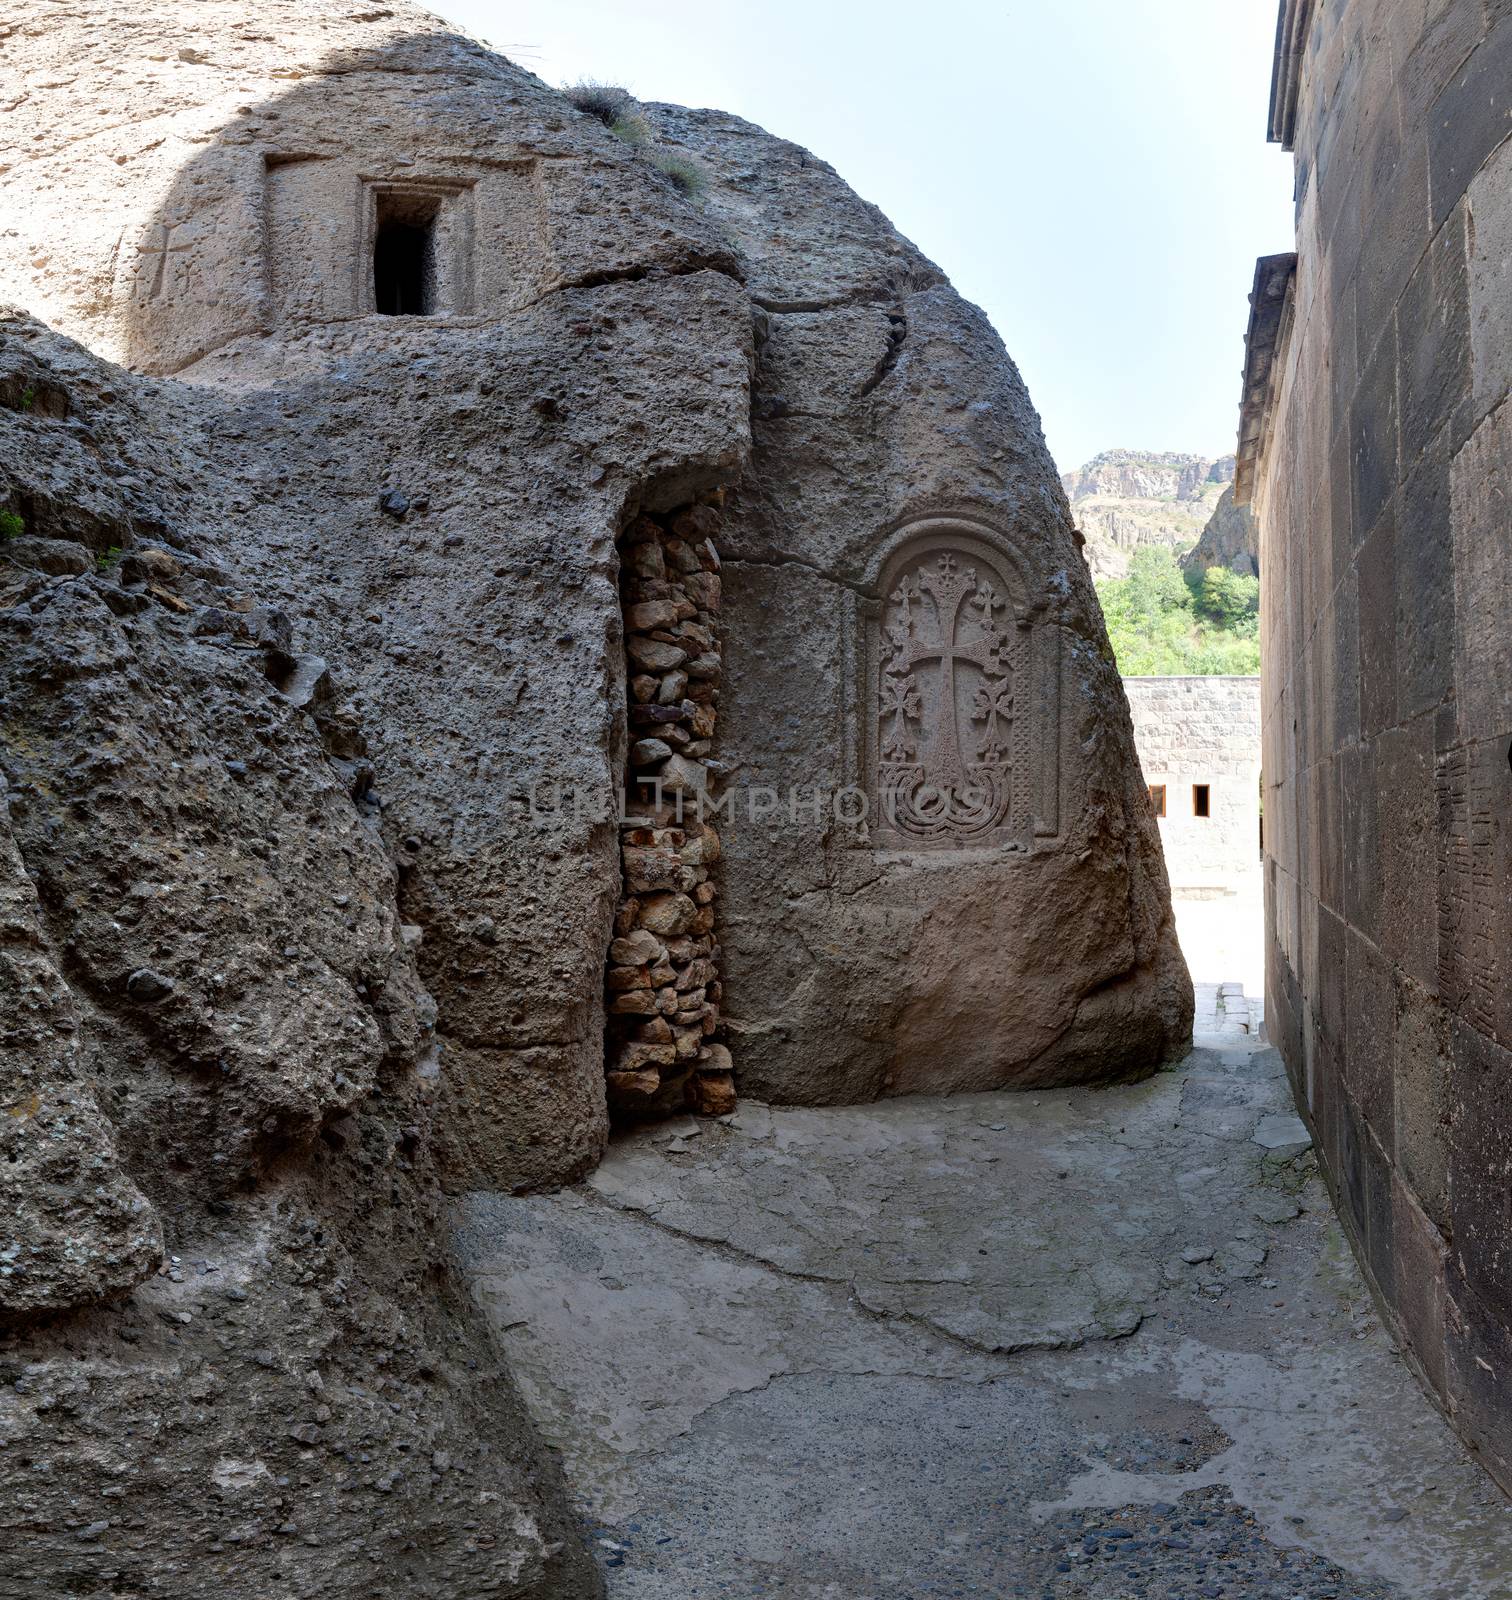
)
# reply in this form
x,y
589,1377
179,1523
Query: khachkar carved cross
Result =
x,y
937,790
152,260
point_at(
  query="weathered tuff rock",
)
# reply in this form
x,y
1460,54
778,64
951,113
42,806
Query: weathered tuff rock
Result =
x,y
1230,540
1123,499
236,1362
893,436
314,640
434,503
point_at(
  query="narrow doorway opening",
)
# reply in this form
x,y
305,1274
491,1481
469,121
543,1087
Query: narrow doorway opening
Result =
x,y
404,255
1201,800
1157,799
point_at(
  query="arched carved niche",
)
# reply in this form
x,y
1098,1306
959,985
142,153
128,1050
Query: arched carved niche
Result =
x,y
956,694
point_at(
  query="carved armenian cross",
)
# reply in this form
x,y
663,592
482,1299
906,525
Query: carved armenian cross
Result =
x,y
949,587
156,252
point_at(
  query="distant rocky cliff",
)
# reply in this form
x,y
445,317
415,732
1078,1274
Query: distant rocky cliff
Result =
x,y
1229,540
1122,499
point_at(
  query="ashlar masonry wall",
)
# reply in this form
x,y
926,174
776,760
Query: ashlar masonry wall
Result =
x,y
1377,435
1199,745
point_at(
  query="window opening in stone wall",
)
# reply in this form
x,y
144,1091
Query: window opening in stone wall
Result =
x,y
1157,799
1201,800
404,254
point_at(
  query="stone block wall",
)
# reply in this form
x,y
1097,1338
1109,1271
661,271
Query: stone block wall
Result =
x,y
1190,731
663,984
1382,471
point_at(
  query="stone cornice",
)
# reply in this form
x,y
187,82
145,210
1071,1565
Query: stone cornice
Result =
x,y
1264,341
1291,38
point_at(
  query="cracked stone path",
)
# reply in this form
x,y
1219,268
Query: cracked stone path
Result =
x,y
1083,1343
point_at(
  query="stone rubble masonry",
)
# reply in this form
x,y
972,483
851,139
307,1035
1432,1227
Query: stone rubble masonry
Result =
x,y
1383,490
662,985
1202,730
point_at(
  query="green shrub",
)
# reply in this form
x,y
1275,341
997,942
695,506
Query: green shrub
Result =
x,y
633,129
104,562
686,175
1163,622
12,525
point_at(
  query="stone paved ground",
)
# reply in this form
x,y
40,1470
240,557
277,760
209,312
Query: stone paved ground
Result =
x,y
1082,1345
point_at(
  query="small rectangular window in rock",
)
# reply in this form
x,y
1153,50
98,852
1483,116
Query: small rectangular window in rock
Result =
x,y
1157,799
404,253
1201,800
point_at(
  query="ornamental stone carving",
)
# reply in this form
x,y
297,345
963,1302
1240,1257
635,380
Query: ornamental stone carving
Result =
x,y
959,696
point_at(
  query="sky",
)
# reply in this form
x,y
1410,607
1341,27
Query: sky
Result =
x,y
1092,173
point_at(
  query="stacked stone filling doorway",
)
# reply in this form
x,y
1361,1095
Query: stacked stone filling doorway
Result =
x,y
663,987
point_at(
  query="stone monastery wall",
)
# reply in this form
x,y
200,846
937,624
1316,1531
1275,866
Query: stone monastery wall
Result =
x,y
1199,747
1377,442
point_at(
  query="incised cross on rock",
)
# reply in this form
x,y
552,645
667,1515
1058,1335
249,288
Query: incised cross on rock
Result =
x,y
949,587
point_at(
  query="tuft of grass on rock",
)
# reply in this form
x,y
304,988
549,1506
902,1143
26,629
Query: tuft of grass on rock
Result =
x,y
107,561
12,525
606,101
632,129
620,113
684,174
615,107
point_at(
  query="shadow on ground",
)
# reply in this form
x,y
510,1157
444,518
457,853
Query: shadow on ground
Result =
x,y
1083,1343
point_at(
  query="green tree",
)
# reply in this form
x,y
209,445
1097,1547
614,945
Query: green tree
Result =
x,y
1163,622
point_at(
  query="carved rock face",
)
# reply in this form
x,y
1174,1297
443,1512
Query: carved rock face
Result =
x,y
956,884
959,726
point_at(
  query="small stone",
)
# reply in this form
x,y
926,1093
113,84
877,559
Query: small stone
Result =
x,y
667,913
634,1003
715,1058
714,1094
619,979
1194,1254
149,565
637,1056
641,715
647,752
394,504
637,949
672,687
650,615
650,870
703,589
651,655
148,986
632,1088
644,560
685,777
